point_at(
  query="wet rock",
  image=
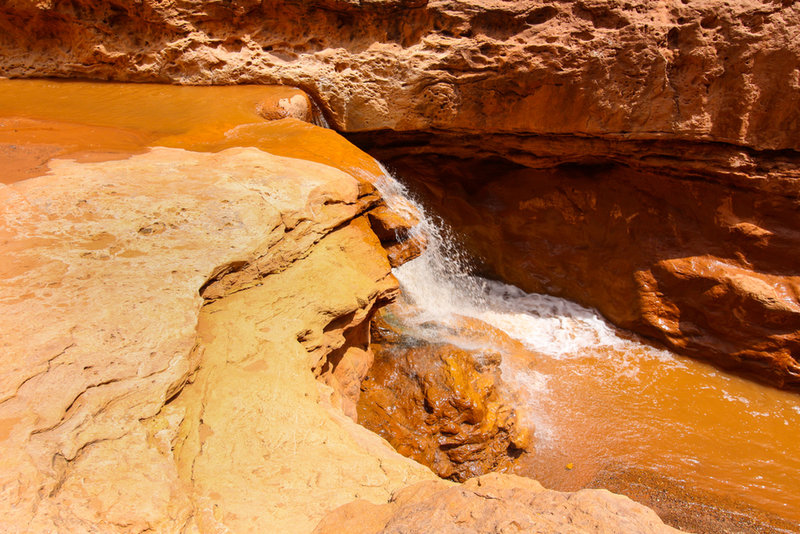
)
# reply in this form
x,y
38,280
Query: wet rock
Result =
x,y
705,268
395,232
647,88
296,105
441,405
690,508
494,503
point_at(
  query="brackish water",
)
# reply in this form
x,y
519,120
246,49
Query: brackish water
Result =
x,y
598,398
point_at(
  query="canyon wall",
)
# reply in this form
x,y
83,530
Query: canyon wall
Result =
x,y
652,69
691,109
707,269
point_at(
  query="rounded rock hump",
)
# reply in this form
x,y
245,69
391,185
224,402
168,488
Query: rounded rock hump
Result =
x,y
282,106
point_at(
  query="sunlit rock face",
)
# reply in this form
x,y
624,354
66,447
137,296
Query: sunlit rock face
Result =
x,y
192,327
617,70
171,314
494,504
694,104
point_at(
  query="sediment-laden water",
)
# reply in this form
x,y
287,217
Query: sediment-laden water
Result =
x,y
600,399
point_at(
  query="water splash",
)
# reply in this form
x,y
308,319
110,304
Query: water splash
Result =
x,y
441,284
442,288
597,397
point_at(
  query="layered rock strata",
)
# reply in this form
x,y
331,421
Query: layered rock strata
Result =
x,y
700,97
165,318
183,333
587,68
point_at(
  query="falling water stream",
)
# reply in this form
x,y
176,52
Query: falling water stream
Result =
x,y
598,398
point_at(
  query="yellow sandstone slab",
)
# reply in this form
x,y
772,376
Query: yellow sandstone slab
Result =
x,y
102,269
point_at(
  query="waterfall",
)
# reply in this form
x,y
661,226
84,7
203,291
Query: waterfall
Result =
x,y
441,284
442,289
597,398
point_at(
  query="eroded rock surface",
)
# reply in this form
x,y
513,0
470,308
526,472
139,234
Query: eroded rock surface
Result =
x,y
127,405
494,504
440,404
676,95
705,268
650,69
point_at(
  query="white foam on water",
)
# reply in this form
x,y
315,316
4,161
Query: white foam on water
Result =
x,y
441,285
568,337
734,398
530,389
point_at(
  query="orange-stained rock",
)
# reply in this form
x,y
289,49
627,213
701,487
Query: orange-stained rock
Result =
x,y
688,95
494,504
440,404
394,231
708,269
296,105
653,69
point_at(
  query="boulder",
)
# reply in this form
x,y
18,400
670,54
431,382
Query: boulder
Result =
x,y
494,504
443,405
171,313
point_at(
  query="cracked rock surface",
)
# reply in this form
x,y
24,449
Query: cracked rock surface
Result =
x,y
102,272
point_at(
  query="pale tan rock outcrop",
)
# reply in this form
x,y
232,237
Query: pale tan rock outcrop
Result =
x,y
494,504
127,405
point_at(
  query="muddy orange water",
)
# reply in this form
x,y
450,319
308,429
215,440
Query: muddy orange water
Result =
x,y
90,121
605,404
599,399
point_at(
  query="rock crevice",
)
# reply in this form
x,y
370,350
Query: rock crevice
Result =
x,y
114,340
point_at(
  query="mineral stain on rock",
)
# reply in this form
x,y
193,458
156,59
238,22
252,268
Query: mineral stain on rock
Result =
x,y
441,405
193,322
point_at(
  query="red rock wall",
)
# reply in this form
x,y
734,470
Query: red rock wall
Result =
x,y
631,70
695,105
708,269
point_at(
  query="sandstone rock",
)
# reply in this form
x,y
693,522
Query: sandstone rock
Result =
x,y
702,92
441,405
645,70
494,503
394,231
296,105
707,269
103,268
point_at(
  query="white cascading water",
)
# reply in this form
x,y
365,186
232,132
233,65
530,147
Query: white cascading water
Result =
x,y
439,283
597,398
